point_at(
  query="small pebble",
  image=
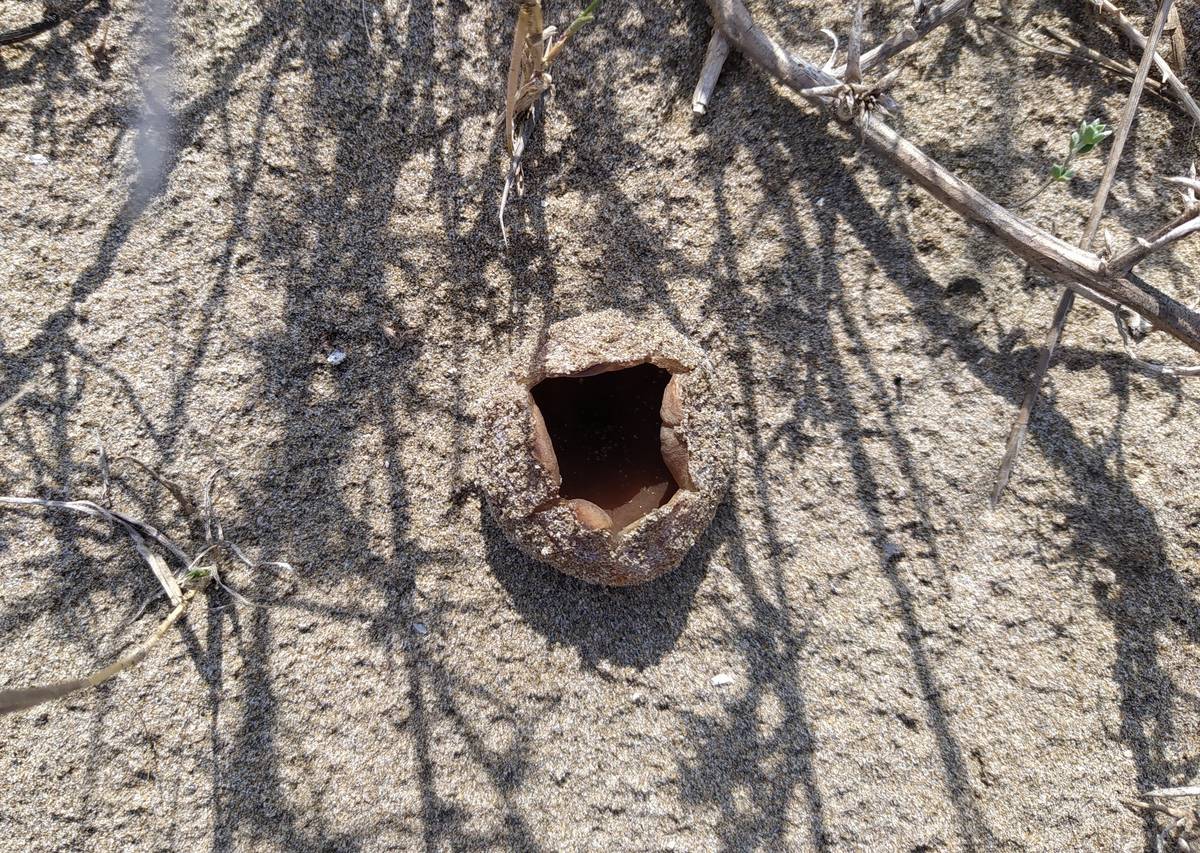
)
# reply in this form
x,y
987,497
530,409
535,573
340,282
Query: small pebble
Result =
x,y
421,628
38,159
724,679
336,357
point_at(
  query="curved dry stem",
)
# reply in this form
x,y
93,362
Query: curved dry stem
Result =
x,y
24,698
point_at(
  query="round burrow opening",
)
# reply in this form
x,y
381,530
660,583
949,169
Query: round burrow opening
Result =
x,y
609,432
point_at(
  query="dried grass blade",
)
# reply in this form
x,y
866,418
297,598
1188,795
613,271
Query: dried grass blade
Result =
x,y
517,69
157,565
177,492
105,471
96,511
210,518
27,697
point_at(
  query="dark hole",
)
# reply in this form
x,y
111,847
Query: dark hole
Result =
x,y
964,286
605,432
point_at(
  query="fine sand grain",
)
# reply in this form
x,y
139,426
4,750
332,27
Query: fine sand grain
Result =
x,y
857,655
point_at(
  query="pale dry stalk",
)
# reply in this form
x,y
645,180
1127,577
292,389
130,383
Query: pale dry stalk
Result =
x,y
1066,299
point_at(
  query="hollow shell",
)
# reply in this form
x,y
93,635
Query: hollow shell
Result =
x,y
542,506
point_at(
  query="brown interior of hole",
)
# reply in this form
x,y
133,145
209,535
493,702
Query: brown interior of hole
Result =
x,y
605,433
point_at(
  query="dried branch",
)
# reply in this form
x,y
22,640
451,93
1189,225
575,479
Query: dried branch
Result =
x,y
1178,823
1081,270
1184,225
906,38
1190,791
1125,27
51,20
714,61
1122,134
1016,436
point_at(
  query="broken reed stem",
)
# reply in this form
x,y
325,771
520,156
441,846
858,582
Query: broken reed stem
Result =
x,y
1083,271
1066,300
910,35
1123,25
854,47
714,60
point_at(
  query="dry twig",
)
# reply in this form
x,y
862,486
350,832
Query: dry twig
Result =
x,y
1078,52
928,19
54,15
714,61
1178,822
854,46
1117,20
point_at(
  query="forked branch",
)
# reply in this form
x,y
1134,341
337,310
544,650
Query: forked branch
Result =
x,y
1081,270
929,21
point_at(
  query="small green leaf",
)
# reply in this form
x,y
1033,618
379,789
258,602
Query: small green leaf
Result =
x,y
1060,172
1089,135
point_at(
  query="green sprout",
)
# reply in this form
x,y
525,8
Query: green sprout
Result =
x,y
1083,142
1089,135
1061,173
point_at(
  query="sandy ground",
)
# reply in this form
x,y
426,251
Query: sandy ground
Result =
x,y
910,670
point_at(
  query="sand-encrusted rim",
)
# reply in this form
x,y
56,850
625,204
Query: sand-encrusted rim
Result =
x,y
521,488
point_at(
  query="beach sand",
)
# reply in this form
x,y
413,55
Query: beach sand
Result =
x,y
858,654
